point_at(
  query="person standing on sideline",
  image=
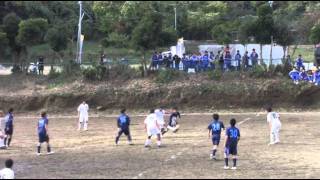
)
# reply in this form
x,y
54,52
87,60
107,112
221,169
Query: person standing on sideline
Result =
x,y
273,119
254,57
238,60
83,116
8,127
2,132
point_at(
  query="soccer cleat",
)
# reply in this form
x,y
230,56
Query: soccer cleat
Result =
x,y
212,157
234,168
130,143
226,167
49,153
38,154
270,144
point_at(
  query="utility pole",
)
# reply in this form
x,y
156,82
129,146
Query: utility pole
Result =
x,y
175,18
79,41
270,62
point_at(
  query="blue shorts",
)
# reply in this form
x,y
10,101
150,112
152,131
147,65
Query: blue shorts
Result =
x,y
9,131
216,140
43,138
231,149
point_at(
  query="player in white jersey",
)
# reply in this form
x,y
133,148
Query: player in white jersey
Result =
x,y
160,113
152,127
273,119
7,173
83,116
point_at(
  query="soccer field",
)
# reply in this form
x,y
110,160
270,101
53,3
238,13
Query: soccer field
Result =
x,y
185,154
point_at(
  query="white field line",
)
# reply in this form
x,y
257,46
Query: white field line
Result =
x,y
144,115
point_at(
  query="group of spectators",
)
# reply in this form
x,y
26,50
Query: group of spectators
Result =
x,y
223,60
38,67
299,73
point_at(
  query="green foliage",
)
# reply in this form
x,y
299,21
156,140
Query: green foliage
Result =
x,y
215,75
264,25
167,76
53,74
315,34
168,37
11,25
71,68
283,36
3,41
94,73
32,31
145,35
116,40
57,38
258,72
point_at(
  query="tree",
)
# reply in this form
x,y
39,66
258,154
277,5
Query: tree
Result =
x,y
263,26
145,35
246,29
32,31
3,43
57,40
283,35
315,34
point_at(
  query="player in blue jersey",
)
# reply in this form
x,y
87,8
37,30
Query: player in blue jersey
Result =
x,y
43,134
123,123
231,144
8,127
215,129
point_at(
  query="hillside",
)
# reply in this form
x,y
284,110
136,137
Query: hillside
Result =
x,y
195,92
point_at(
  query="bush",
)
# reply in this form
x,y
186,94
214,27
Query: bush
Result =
x,y
215,75
166,76
16,69
71,68
123,71
94,73
53,74
258,72
116,40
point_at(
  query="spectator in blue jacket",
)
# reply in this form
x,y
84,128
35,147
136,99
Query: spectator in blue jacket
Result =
x,y
299,62
238,59
254,58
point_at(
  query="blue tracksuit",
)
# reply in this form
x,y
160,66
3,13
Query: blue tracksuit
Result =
x,y
299,63
294,75
254,58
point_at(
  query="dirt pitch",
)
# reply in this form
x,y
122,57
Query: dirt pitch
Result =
x,y
93,154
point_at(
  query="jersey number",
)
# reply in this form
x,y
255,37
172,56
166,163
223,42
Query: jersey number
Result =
x,y
216,127
233,133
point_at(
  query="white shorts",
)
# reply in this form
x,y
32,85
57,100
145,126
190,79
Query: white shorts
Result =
x,y
83,119
154,131
276,129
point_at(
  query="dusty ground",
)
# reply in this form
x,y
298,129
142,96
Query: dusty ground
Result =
x,y
185,155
